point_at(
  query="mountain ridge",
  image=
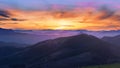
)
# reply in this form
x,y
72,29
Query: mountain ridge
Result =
x,y
67,52
115,40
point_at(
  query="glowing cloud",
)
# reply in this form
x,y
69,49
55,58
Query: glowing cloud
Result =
x,y
87,18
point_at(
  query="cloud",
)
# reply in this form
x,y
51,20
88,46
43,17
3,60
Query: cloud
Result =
x,y
11,19
7,16
106,12
1,23
15,19
116,18
11,23
88,18
4,13
4,19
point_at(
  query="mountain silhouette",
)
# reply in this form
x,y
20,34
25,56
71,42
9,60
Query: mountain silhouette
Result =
x,y
115,40
66,52
6,31
9,35
9,48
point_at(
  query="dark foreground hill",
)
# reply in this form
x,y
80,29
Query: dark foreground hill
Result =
x,y
66,52
7,49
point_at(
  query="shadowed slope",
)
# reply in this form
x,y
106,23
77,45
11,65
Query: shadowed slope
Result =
x,y
66,52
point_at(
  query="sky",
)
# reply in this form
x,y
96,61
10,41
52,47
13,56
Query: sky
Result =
x,y
36,4
60,14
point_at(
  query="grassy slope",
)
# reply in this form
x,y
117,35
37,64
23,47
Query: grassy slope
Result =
x,y
105,66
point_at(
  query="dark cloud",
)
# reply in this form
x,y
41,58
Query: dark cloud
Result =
x,y
6,16
15,19
4,13
11,19
106,12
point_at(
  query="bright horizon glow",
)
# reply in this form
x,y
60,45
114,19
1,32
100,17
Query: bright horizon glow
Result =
x,y
77,15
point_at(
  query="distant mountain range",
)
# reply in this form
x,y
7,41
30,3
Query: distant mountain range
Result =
x,y
113,40
6,31
9,35
34,36
65,52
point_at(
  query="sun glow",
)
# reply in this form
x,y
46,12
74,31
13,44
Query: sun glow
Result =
x,y
76,19
63,24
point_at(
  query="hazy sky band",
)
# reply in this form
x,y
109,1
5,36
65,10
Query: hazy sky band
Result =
x,y
41,4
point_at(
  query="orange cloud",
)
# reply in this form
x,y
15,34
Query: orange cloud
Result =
x,y
84,18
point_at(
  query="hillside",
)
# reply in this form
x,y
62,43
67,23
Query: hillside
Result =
x,y
116,65
7,49
115,40
66,52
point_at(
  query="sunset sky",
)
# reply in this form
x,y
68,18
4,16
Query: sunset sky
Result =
x,y
60,14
